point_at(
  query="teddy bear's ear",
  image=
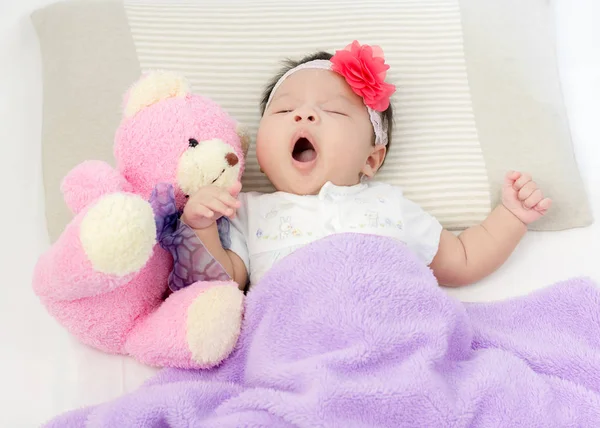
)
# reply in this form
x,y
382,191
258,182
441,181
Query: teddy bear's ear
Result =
x,y
153,87
244,135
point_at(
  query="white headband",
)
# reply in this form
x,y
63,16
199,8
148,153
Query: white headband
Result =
x,y
380,125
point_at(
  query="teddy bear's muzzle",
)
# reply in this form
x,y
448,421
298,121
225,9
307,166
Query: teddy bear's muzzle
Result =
x,y
208,162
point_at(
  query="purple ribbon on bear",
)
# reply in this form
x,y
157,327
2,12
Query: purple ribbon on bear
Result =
x,y
192,262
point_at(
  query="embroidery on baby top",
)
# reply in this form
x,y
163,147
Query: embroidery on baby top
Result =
x,y
285,227
373,219
285,230
274,211
271,214
191,260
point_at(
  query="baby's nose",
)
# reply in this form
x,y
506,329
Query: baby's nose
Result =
x,y
307,114
231,159
309,117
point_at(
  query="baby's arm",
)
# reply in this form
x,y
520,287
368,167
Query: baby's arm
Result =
x,y
480,250
202,212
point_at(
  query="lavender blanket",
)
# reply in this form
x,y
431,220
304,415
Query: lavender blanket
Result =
x,y
352,331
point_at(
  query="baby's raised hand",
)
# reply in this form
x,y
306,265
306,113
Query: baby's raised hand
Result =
x,y
522,196
209,204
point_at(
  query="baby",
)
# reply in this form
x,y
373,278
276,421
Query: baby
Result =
x,y
324,133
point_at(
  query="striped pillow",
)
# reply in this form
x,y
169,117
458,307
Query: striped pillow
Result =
x,y
478,87
230,52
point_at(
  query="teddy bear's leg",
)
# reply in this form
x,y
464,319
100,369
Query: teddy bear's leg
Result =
x,y
101,249
104,321
196,327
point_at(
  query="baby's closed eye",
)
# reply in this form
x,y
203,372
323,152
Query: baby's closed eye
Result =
x,y
281,107
337,108
338,112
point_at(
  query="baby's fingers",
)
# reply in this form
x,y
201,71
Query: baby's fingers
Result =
x,y
511,177
235,189
228,200
532,200
522,181
218,206
528,190
544,205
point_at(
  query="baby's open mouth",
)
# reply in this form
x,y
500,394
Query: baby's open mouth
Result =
x,y
304,151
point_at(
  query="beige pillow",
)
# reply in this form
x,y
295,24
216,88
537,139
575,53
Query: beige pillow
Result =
x,y
478,89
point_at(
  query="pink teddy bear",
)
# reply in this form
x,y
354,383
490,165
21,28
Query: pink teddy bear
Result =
x,y
105,279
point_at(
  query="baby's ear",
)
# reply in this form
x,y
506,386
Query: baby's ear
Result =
x,y
153,87
374,161
244,135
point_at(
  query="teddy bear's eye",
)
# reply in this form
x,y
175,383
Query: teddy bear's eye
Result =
x,y
193,142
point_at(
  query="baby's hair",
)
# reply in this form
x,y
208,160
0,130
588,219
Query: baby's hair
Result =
x,y
288,64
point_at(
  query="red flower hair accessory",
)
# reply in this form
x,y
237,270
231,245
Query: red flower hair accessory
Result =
x,y
364,69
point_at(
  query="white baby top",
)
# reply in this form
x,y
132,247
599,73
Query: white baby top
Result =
x,y
269,226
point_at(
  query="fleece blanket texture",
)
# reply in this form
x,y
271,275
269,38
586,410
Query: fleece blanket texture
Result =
x,y
353,331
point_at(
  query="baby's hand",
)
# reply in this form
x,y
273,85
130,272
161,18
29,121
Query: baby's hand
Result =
x,y
522,196
209,204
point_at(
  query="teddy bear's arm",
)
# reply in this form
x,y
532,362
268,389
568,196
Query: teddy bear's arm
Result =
x,y
89,181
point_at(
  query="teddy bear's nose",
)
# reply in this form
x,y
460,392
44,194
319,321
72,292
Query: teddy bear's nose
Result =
x,y
193,142
231,159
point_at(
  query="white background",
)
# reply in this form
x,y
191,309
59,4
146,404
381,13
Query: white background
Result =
x,y
44,372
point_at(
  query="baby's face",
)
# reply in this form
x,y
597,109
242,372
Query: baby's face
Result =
x,y
315,130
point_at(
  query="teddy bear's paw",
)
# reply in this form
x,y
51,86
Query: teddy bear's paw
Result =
x,y
214,321
196,327
118,234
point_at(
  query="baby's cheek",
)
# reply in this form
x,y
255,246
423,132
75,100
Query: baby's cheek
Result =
x,y
268,153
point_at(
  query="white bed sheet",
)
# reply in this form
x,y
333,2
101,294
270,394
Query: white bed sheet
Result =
x,y
44,372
